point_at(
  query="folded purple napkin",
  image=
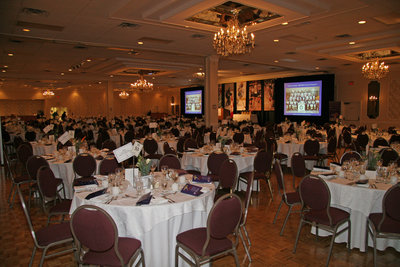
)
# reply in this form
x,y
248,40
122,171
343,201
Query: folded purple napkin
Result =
x,y
144,200
201,178
193,190
96,194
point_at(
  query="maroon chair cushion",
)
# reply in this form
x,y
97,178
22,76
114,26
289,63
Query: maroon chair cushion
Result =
x,y
228,174
33,164
194,239
61,207
214,161
298,165
321,216
292,197
53,233
171,161
126,247
47,182
388,226
108,165
22,179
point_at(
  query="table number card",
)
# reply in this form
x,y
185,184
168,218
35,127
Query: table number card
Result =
x,y
48,128
137,148
72,133
64,138
124,152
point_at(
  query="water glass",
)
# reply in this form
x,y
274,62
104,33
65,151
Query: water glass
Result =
x,y
139,186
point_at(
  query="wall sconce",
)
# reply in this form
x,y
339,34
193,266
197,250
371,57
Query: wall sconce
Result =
x,y
373,99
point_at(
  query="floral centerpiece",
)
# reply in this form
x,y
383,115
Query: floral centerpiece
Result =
x,y
143,165
78,143
223,141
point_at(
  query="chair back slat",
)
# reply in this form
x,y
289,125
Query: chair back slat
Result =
x,y
391,202
298,165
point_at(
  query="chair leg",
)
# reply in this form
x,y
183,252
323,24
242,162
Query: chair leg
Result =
x,y
236,258
176,256
270,189
33,256
247,235
277,212
286,219
349,236
244,245
12,201
298,235
11,192
330,247
43,256
366,236
374,243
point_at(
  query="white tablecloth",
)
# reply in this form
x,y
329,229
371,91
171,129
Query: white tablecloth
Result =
x,y
359,202
198,161
41,149
156,226
290,148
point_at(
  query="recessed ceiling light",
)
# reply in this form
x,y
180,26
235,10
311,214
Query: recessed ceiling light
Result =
x,y
352,43
111,76
317,68
3,71
88,60
276,61
362,22
276,41
285,23
140,43
69,69
5,66
62,73
99,82
10,54
26,30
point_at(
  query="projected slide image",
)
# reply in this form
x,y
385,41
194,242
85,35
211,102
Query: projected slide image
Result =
x,y
303,98
193,102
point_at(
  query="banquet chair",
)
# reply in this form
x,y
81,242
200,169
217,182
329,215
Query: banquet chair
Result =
x,y
24,151
180,146
214,163
175,132
311,151
290,199
171,161
388,155
350,155
261,170
17,181
395,138
96,237
206,243
332,150
228,178
380,141
190,143
84,166
30,136
129,136
109,144
316,210
362,140
150,146
298,167
168,149
108,165
54,235
238,138
242,227
347,139
273,146
387,223
48,184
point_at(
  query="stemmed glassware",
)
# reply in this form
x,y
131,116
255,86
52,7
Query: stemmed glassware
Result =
x,y
153,168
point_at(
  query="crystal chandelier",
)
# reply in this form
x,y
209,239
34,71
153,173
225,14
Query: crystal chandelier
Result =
x,y
48,93
124,94
233,39
375,70
141,84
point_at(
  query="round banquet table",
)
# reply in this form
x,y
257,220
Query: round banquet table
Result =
x,y
292,147
156,225
359,201
41,149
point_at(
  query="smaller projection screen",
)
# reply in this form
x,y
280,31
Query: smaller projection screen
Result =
x,y
192,101
303,98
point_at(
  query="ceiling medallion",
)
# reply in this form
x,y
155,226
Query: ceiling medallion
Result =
x,y
233,40
142,85
375,70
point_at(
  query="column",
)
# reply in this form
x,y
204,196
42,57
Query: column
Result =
x,y
110,100
211,91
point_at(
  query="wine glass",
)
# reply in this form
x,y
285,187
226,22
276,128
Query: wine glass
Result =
x,y
164,184
174,175
164,170
153,167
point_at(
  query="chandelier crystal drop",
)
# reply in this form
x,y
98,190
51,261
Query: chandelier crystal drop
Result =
x,y
142,85
375,70
233,39
124,94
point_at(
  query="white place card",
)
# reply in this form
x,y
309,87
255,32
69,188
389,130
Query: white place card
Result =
x,y
129,175
124,152
71,134
51,138
135,172
48,128
64,138
153,125
137,148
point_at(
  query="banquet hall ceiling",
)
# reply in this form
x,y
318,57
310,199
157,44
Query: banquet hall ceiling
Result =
x,y
80,42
